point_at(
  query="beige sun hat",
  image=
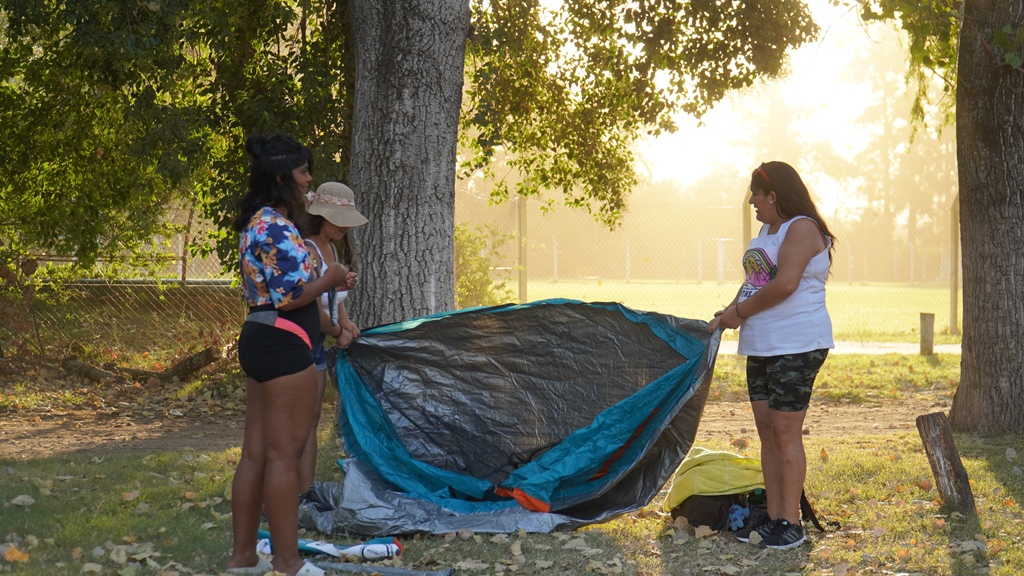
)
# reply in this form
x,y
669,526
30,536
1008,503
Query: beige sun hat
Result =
x,y
337,203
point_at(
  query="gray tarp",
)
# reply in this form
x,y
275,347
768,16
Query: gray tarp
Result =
x,y
445,416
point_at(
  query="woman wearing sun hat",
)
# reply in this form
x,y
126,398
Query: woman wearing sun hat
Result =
x,y
330,212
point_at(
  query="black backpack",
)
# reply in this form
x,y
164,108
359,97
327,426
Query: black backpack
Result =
x,y
713,511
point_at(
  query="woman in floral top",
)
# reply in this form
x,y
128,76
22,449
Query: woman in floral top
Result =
x,y
274,349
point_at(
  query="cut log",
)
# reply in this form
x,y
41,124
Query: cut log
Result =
x,y
193,363
181,369
951,478
77,367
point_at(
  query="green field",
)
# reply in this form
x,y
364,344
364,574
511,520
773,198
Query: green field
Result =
x,y
860,312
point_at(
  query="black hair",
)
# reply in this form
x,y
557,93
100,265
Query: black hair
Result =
x,y
270,175
791,196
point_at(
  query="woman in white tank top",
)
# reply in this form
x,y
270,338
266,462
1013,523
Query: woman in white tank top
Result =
x,y
331,212
785,333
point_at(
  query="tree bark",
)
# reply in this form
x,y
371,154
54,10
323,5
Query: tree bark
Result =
x,y
409,66
990,149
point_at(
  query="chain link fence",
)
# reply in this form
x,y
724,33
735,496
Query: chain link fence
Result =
x,y
684,258
680,258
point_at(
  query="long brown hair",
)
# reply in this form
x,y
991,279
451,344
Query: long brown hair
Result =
x,y
791,196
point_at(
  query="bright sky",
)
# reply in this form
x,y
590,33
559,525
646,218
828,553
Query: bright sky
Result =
x,y
814,85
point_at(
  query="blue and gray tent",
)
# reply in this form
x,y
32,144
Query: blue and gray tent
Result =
x,y
541,416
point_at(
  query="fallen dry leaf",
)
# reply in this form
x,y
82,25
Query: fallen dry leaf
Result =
x,y
24,501
12,554
704,532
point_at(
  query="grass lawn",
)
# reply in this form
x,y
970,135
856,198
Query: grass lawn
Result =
x,y
168,513
860,312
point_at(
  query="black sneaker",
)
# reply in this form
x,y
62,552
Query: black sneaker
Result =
x,y
784,536
763,526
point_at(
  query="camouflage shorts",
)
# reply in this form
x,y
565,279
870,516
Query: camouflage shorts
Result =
x,y
785,381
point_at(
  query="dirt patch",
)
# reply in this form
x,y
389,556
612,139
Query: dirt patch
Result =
x,y
46,434
51,433
735,420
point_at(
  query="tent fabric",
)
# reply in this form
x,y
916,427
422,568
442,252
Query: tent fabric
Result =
x,y
713,473
541,416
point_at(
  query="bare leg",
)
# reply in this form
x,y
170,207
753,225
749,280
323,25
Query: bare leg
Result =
x,y
287,418
769,468
790,461
307,465
783,461
278,417
247,486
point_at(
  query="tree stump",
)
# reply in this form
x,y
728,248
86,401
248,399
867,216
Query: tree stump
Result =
x,y
951,478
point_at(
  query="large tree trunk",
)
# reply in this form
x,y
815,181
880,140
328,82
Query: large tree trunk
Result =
x,y
990,153
409,72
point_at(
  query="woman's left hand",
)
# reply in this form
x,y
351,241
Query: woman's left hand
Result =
x,y
350,280
351,327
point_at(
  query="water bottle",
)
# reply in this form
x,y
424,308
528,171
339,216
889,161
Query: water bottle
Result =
x,y
757,497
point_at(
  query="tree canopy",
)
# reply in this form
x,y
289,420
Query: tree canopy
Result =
x,y
566,91
113,109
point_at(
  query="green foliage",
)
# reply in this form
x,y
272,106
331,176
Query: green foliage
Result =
x,y
112,110
476,252
1011,43
18,324
933,30
567,91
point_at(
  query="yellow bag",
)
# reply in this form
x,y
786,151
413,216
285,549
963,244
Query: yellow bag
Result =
x,y
713,473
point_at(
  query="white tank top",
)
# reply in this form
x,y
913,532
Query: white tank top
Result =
x,y
800,323
325,298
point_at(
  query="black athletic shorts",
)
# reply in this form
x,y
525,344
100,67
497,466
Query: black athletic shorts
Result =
x,y
280,343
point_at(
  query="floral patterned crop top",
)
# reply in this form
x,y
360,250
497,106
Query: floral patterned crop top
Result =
x,y
274,263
